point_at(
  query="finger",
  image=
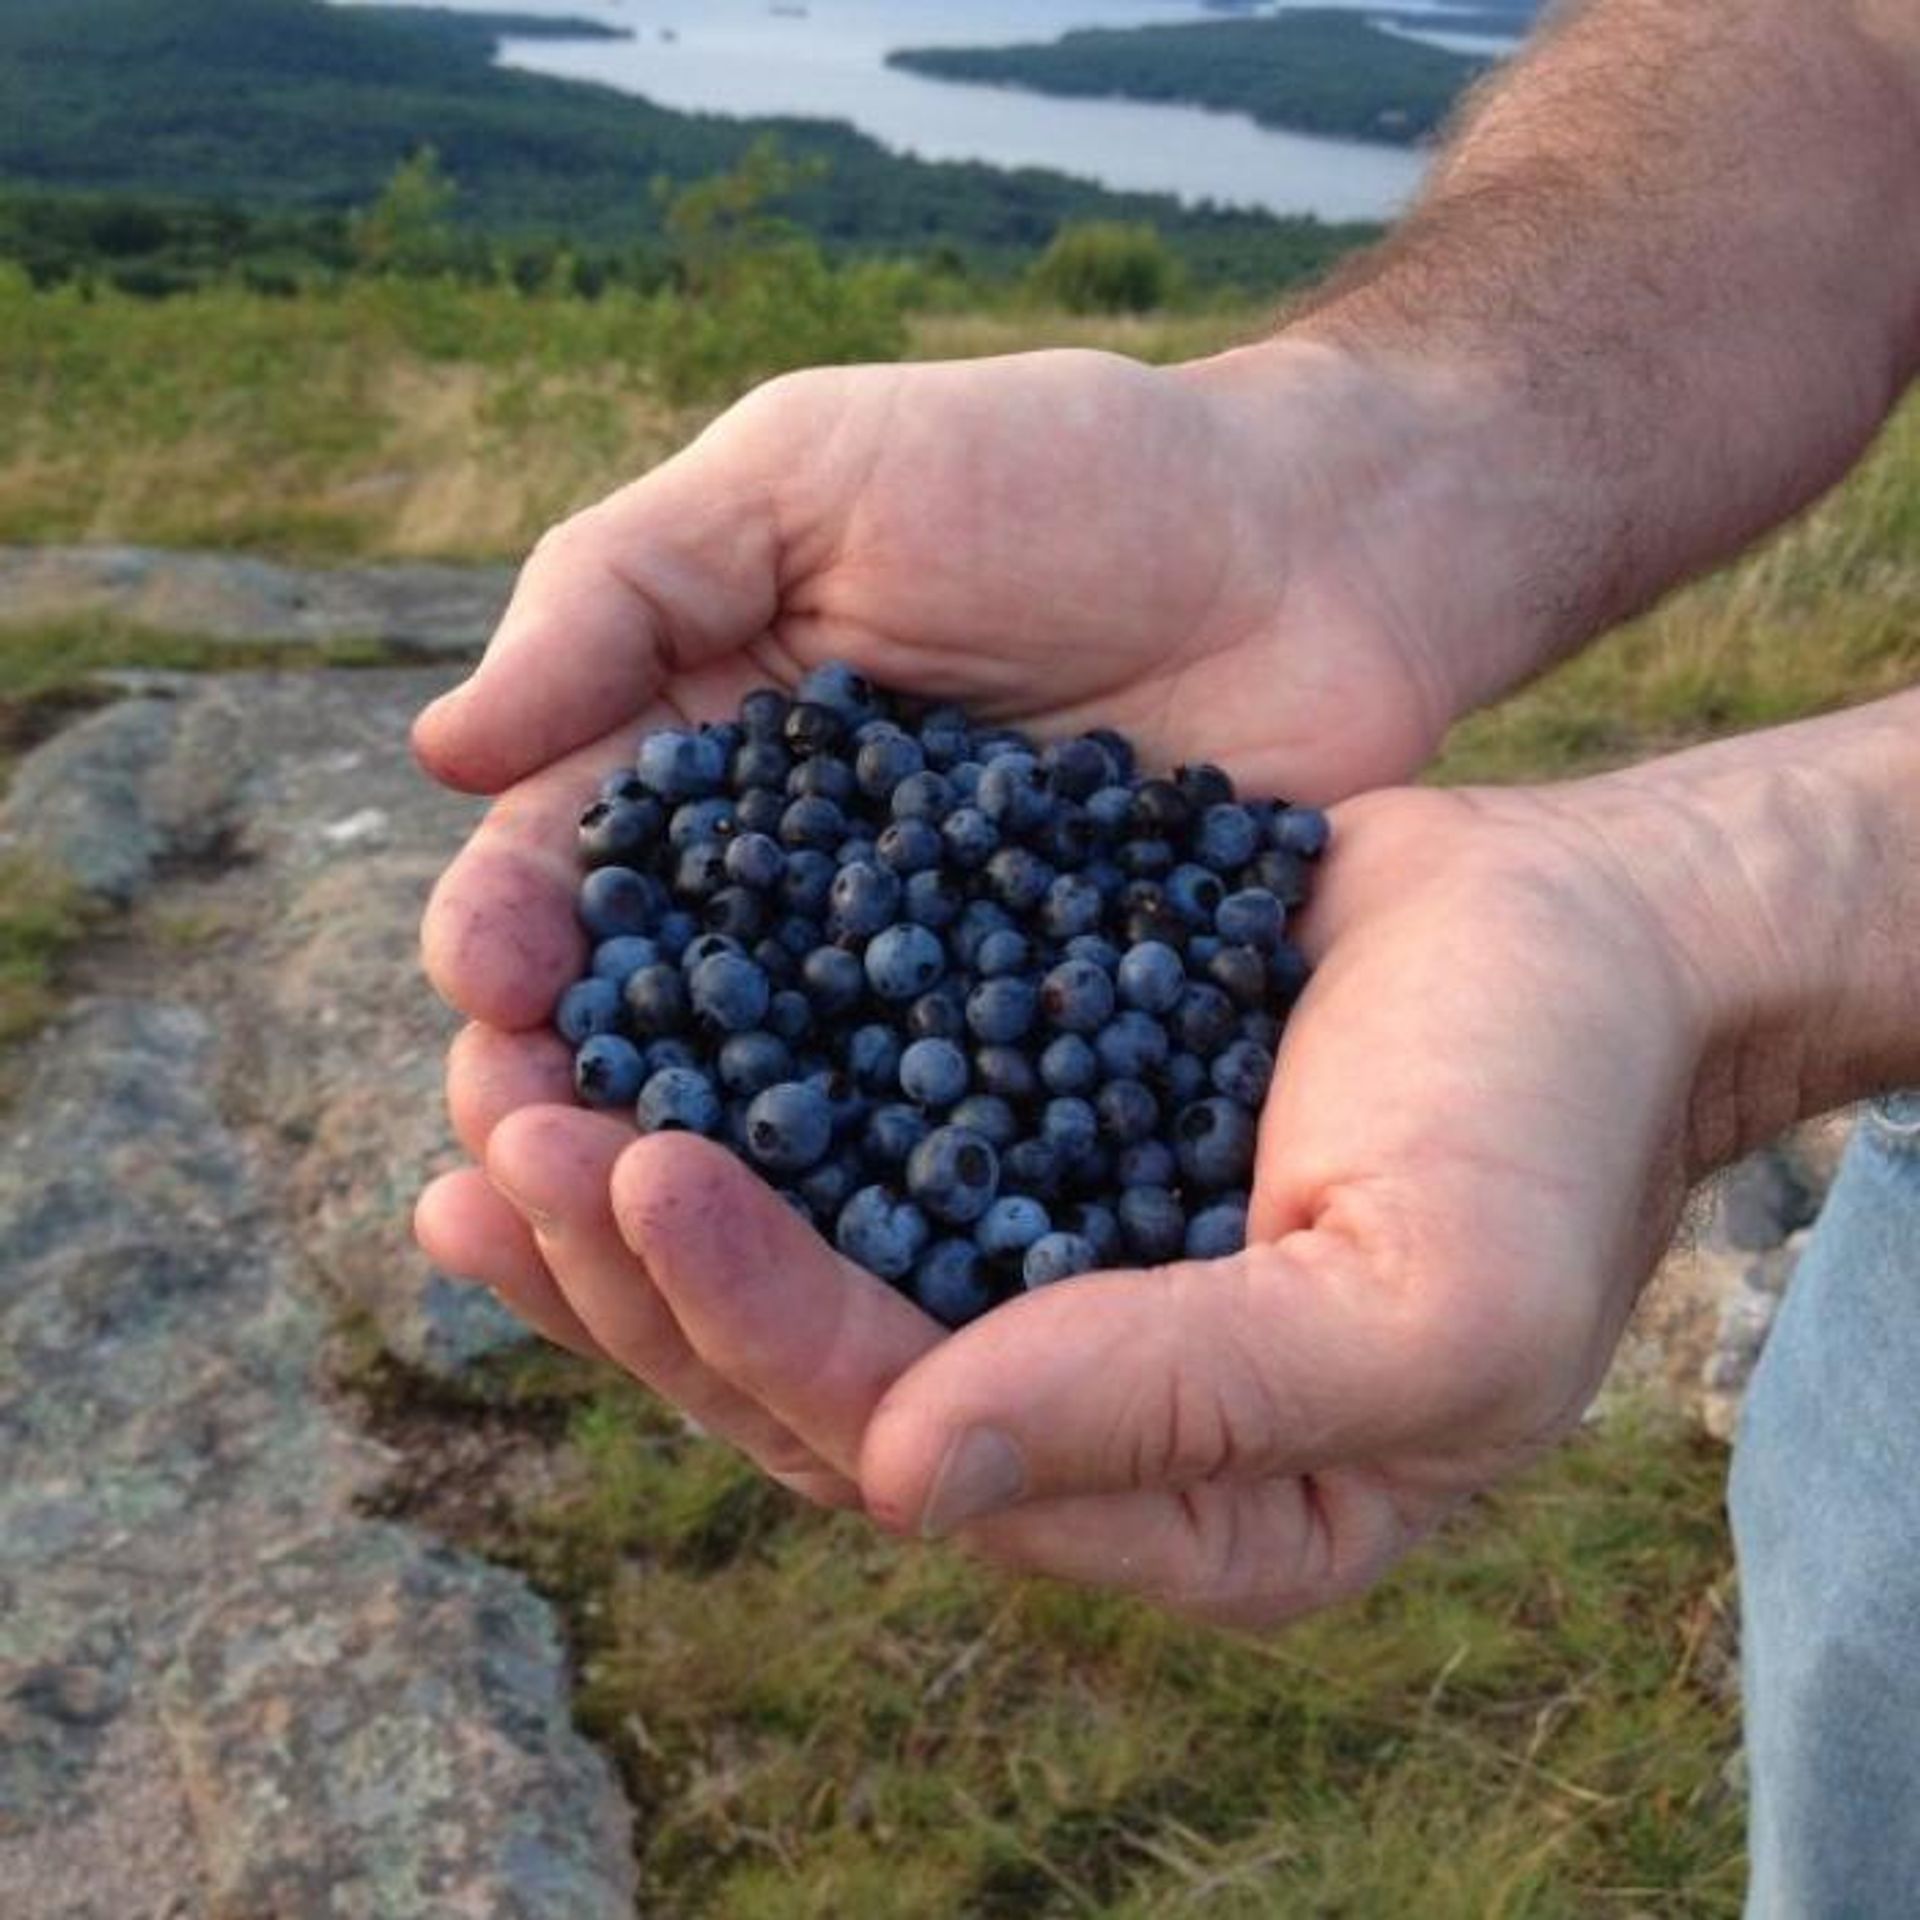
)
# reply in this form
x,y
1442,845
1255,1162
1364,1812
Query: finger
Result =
x,y
556,1164
491,1074
1250,1554
763,1299
659,579
468,1231
1280,1360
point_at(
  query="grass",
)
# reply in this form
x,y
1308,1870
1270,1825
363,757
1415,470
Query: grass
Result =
x,y
43,918
1529,1720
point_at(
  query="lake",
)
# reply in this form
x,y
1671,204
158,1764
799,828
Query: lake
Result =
x,y
827,58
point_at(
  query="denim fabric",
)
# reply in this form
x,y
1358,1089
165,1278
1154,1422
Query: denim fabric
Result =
x,y
1825,1499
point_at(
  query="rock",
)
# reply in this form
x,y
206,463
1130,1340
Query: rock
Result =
x,y
430,609
411,1706
1762,1200
1747,1310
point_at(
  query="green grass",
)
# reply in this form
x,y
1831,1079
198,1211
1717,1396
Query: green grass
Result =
x,y
815,1721
43,917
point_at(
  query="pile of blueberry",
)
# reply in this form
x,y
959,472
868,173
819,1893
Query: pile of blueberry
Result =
x,y
988,1014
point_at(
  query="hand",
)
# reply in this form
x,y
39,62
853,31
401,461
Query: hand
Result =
x,y
1480,1135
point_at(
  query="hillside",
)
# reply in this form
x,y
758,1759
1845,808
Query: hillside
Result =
x,y
311,107
1317,71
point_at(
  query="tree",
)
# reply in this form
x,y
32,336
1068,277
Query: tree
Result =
x,y
408,229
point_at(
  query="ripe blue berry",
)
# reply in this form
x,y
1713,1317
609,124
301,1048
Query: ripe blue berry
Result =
x,y
903,961
789,1127
608,1071
970,838
1001,1011
730,992
864,899
682,766
1214,1142
620,832
1251,918
1218,1232
873,1057
893,1131
881,1232
1151,977
621,958
749,1063
657,1002
1243,1072
1010,1226
834,981
616,900
1226,838
950,1283
756,860
987,1115
1057,1256
1300,830
589,1007
1153,1224
1077,997
679,1100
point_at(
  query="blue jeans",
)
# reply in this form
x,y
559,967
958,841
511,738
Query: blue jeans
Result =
x,y
1825,1499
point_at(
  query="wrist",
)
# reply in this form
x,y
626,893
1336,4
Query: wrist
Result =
x,y
1782,872
1432,489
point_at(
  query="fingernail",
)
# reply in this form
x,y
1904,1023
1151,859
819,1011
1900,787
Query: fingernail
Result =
x,y
982,1473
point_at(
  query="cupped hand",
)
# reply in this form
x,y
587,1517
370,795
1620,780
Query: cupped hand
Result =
x,y
1476,1146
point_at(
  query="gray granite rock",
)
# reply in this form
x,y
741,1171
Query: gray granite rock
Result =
x,y
433,609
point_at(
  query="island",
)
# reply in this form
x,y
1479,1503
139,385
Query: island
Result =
x,y
1319,70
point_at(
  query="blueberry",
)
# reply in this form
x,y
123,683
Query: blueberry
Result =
x,y
1160,809
1010,1226
828,1187
682,766
807,882
939,1015
790,1015
624,783
698,821
1001,1011
1204,1019
813,821
1214,1141
873,1058
950,1283
789,1127
971,839
1131,1045
759,810
1241,973
1218,1232
621,958
1069,1065
834,980
1262,1028
1006,1072
1182,1080
588,1007
1093,947
672,932
954,1175
1030,1167
739,913
1302,831
1110,812
1072,906
668,1052
1066,837
1226,838
1251,918
928,797
620,832
1005,950
1077,997
705,947
1019,879
1148,1163
893,1131
881,1232
981,918
997,743
1284,875
756,860
1195,894
1127,1111
679,1100
811,728
1069,1125
701,870
911,846
1153,1224
934,899
1201,948
1151,977
903,961
1014,794
763,712
1099,1226
987,1115
750,1063
1119,750
1204,785
1057,1256
825,777
838,687
1145,859
1243,1072
616,900
1147,914
657,1001
885,759
760,763
608,1071
864,899
947,735
847,1104
1077,767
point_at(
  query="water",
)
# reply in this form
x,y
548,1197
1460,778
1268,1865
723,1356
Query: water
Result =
x,y
741,57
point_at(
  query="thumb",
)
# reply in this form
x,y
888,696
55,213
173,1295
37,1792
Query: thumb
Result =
x,y
1286,1358
663,577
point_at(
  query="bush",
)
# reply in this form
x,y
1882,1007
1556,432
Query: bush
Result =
x,y
1104,266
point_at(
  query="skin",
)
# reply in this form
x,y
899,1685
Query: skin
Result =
x,y
1538,1015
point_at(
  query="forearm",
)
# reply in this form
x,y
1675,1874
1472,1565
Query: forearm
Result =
x,y
1658,293
1784,870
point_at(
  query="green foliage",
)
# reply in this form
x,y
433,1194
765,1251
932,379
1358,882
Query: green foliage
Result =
x,y
313,106
1322,70
1107,266
408,229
